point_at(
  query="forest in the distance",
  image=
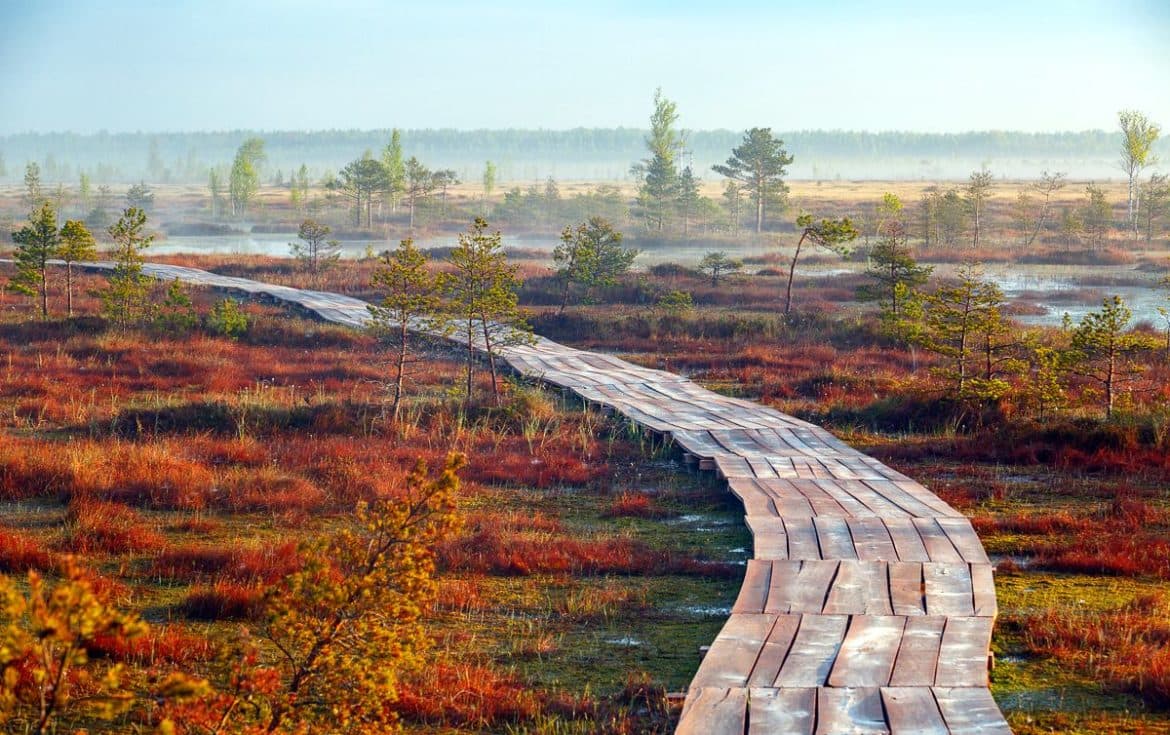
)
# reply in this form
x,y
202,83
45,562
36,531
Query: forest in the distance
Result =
x,y
587,154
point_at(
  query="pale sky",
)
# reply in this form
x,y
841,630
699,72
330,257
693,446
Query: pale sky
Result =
x,y
182,65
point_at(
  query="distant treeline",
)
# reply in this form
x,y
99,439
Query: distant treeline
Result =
x,y
596,154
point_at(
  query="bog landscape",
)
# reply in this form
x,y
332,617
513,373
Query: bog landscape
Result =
x,y
585,429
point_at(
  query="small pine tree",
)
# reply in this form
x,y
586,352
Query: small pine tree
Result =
x,y
176,314
227,319
77,245
38,242
126,298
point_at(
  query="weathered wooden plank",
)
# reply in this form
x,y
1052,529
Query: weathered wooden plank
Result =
x,y
800,586
970,711
802,538
714,711
962,657
734,651
867,654
753,593
917,660
834,537
983,590
963,536
787,711
948,589
775,650
856,711
872,540
813,651
908,543
769,540
938,546
913,711
907,588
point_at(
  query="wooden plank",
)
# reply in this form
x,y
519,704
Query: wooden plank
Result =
x,y
913,711
970,711
714,711
872,540
867,654
856,711
753,593
962,657
938,546
907,588
847,594
802,538
963,536
917,660
734,651
907,542
788,711
834,537
948,589
769,541
813,651
800,586
983,590
774,652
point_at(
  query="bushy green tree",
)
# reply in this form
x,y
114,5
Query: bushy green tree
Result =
x,y
1103,350
830,234
37,243
126,297
759,164
590,256
176,313
412,302
361,181
244,178
227,319
894,273
718,264
964,325
77,245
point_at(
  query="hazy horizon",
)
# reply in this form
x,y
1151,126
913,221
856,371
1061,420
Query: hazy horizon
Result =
x,y
191,66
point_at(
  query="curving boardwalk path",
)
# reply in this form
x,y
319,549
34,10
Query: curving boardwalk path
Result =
x,y
869,603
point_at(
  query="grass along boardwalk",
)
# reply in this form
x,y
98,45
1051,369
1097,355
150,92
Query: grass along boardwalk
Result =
x,y
868,606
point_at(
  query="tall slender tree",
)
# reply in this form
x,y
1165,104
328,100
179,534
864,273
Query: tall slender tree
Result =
x,y
126,298
412,303
244,178
395,168
759,164
977,191
482,288
419,184
37,243
1138,137
315,250
77,245
658,174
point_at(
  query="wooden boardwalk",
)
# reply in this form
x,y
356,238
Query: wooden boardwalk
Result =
x,y
869,603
